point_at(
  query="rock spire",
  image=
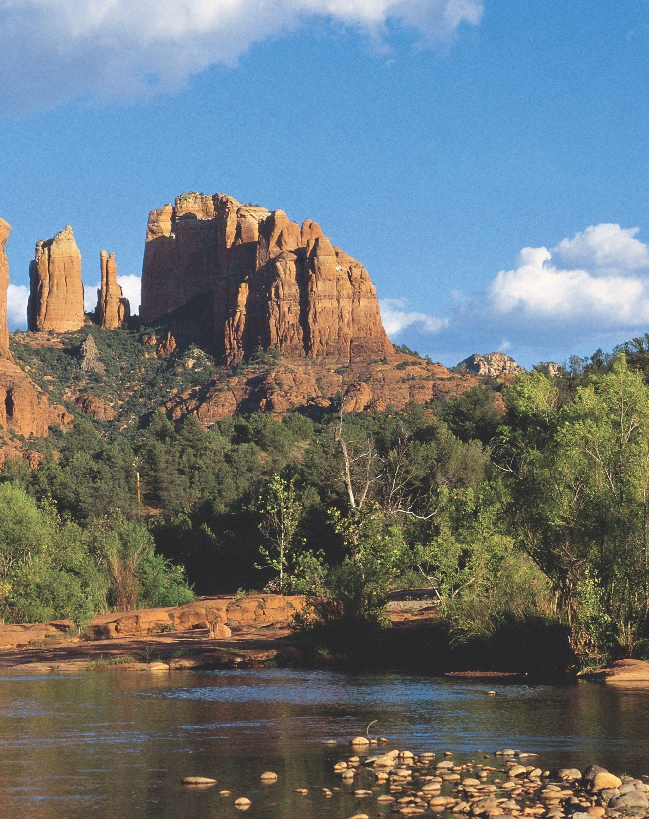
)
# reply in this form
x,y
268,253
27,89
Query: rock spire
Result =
x,y
113,310
273,284
5,229
56,291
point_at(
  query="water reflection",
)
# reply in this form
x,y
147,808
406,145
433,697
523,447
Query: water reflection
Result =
x,y
117,744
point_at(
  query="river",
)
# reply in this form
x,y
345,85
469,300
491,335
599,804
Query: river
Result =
x,y
111,744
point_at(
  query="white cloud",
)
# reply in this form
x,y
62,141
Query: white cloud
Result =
x,y
17,295
601,274
605,247
90,297
396,319
54,50
131,286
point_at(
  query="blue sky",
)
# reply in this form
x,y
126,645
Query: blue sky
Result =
x,y
485,159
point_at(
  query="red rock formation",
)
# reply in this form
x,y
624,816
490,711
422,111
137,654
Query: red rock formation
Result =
x,y
23,407
113,310
56,291
94,407
274,285
5,228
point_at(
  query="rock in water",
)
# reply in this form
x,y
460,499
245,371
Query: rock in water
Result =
x,y
273,285
203,781
56,291
5,229
113,310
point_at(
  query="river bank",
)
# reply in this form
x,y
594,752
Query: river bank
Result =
x,y
258,630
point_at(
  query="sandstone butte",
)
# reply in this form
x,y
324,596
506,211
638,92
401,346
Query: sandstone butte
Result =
x,y
24,408
272,284
113,310
56,291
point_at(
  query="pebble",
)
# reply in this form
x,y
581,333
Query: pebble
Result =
x,y
268,777
301,791
203,781
225,793
360,741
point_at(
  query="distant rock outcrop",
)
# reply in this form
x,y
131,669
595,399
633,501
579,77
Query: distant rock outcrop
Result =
x,y
550,368
492,364
113,310
56,291
5,229
273,284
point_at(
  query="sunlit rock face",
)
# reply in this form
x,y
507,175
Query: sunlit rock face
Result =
x,y
272,284
56,291
113,310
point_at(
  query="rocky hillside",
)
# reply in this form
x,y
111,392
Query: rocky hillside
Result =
x,y
123,375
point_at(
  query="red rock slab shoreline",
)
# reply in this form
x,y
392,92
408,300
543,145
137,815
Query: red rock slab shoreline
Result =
x,y
157,652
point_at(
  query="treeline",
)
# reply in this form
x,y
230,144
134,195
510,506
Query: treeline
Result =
x,y
535,513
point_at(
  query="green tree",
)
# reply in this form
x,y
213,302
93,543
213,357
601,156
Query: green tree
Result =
x,y
580,490
360,586
280,511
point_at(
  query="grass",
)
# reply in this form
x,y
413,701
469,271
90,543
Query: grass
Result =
x,y
102,662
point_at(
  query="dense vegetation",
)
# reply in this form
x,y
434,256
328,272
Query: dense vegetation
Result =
x,y
537,517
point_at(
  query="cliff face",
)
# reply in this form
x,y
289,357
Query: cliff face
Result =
x,y
273,284
5,228
56,292
113,310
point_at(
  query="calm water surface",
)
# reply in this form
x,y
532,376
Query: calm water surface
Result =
x,y
116,744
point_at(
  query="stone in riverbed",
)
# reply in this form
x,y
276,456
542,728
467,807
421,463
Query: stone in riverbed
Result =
x,y
632,799
268,777
605,781
569,774
203,781
517,770
590,772
360,741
